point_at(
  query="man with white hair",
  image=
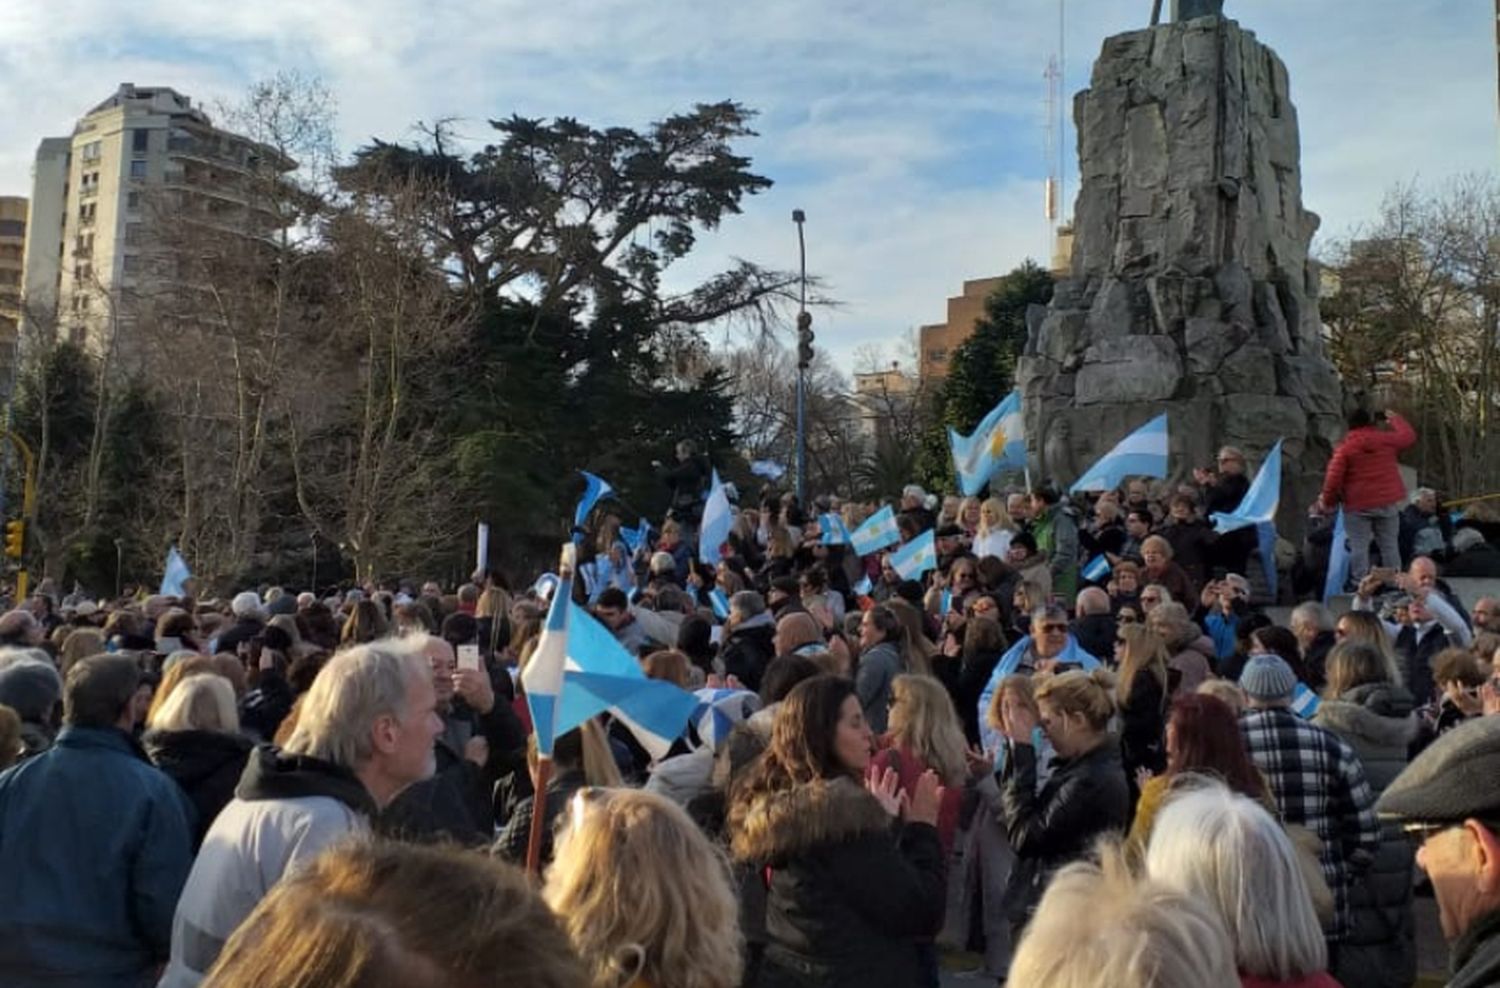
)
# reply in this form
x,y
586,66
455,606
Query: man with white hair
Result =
x,y
1487,615
1312,624
249,622
1093,624
1425,530
364,733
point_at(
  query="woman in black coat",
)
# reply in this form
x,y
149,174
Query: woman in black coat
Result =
x,y
855,886
1142,692
1085,796
194,738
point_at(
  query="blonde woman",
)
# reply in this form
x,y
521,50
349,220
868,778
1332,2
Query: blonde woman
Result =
x,y
376,913
194,738
923,734
968,516
995,530
1143,690
643,896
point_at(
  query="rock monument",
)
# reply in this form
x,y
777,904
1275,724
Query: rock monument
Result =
x,y
1191,290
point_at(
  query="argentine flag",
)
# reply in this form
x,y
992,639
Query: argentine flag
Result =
x,y
1305,702
1097,570
580,670
174,574
1258,507
997,442
863,587
634,538
597,487
916,557
833,530
1338,560
716,521
719,601
1143,453
878,531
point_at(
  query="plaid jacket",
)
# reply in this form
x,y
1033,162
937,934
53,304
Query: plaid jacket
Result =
x,y
1318,783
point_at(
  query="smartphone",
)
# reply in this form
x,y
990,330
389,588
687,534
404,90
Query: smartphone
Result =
x,y
468,657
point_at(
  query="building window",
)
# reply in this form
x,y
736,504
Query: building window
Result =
x,y
132,233
140,141
937,356
90,151
131,264
137,169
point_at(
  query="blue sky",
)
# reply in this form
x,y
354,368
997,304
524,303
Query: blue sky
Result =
x,y
911,134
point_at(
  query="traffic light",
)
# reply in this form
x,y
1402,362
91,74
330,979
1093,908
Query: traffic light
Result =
x,y
15,538
804,340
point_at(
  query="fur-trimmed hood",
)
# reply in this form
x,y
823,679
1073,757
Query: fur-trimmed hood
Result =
x,y
781,825
1377,713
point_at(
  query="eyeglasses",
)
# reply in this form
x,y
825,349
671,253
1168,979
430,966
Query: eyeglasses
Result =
x,y
1421,833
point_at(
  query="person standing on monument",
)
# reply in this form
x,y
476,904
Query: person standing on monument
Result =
x,y
1223,490
1365,479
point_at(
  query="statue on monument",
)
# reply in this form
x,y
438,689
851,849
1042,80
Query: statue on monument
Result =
x,y
1186,10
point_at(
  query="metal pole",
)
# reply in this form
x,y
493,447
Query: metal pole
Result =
x,y
798,217
119,566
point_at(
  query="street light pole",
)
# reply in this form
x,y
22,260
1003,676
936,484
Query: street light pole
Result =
x,y
804,336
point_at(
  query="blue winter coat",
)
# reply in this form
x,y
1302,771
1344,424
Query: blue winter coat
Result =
x,y
95,845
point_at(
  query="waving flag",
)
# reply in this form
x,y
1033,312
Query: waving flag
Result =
x,y
833,530
543,675
768,469
634,538
174,574
719,710
596,488
1097,570
916,557
863,587
1143,453
1305,702
545,585
715,529
719,601
1338,560
878,531
997,442
1258,506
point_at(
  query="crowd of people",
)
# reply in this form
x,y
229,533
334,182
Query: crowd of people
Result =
x,y
1123,774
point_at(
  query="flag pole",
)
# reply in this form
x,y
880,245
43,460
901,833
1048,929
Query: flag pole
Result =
x,y
538,817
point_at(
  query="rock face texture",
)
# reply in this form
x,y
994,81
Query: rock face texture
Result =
x,y
1191,291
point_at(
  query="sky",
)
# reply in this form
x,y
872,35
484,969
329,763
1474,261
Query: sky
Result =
x,y
912,135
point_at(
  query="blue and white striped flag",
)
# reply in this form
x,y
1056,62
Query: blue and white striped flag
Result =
x,y
1258,506
945,601
916,557
174,574
832,530
1305,702
1143,453
878,531
863,587
596,488
714,531
997,442
634,538
1097,570
1338,560
769,469
580,670
719,601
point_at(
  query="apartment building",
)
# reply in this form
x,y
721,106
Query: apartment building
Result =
x,y
142,154
12,253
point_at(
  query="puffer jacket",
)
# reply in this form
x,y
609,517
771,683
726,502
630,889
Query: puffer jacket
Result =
x,y
1363,472
851,892
1375,720
1085,797
1476,955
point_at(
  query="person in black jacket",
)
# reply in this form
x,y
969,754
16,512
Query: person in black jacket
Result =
x,y
1223,491
1142,691
749,639
853,889
194,738
1086,795
688,478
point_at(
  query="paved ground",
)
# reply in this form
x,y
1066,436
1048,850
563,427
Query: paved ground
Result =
x,y
1432,955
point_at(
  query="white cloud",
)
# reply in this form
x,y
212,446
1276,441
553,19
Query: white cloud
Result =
x,y
911,134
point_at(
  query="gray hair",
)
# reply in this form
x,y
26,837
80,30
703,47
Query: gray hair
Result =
x,y
1050,612
355,687
748,603
1313,615
1226,850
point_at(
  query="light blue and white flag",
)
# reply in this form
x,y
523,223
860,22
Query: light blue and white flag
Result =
x,y
580,670
769,469
634,538
1097,570
863,587
174,574
719,711
545,586
945,601
832,530
714,531
1143,453
916,557
878,531
1305,702
719,601
597,487
997,442
1338,560
1258,506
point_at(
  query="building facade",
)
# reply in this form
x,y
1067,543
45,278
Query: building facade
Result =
x,y
12,256
143,153
939,340
883,400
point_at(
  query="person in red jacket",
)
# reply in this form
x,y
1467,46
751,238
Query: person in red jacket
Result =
x,y
1364,477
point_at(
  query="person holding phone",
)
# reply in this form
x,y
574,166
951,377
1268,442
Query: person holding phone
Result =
x,y
1364,477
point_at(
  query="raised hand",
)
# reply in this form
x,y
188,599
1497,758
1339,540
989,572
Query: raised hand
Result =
x,y
980,761
925,800
886,788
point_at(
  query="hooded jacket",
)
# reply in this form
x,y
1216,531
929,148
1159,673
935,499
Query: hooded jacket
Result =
x,y
286,810
1380,951
1363,472
206,764
850,891
749,649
